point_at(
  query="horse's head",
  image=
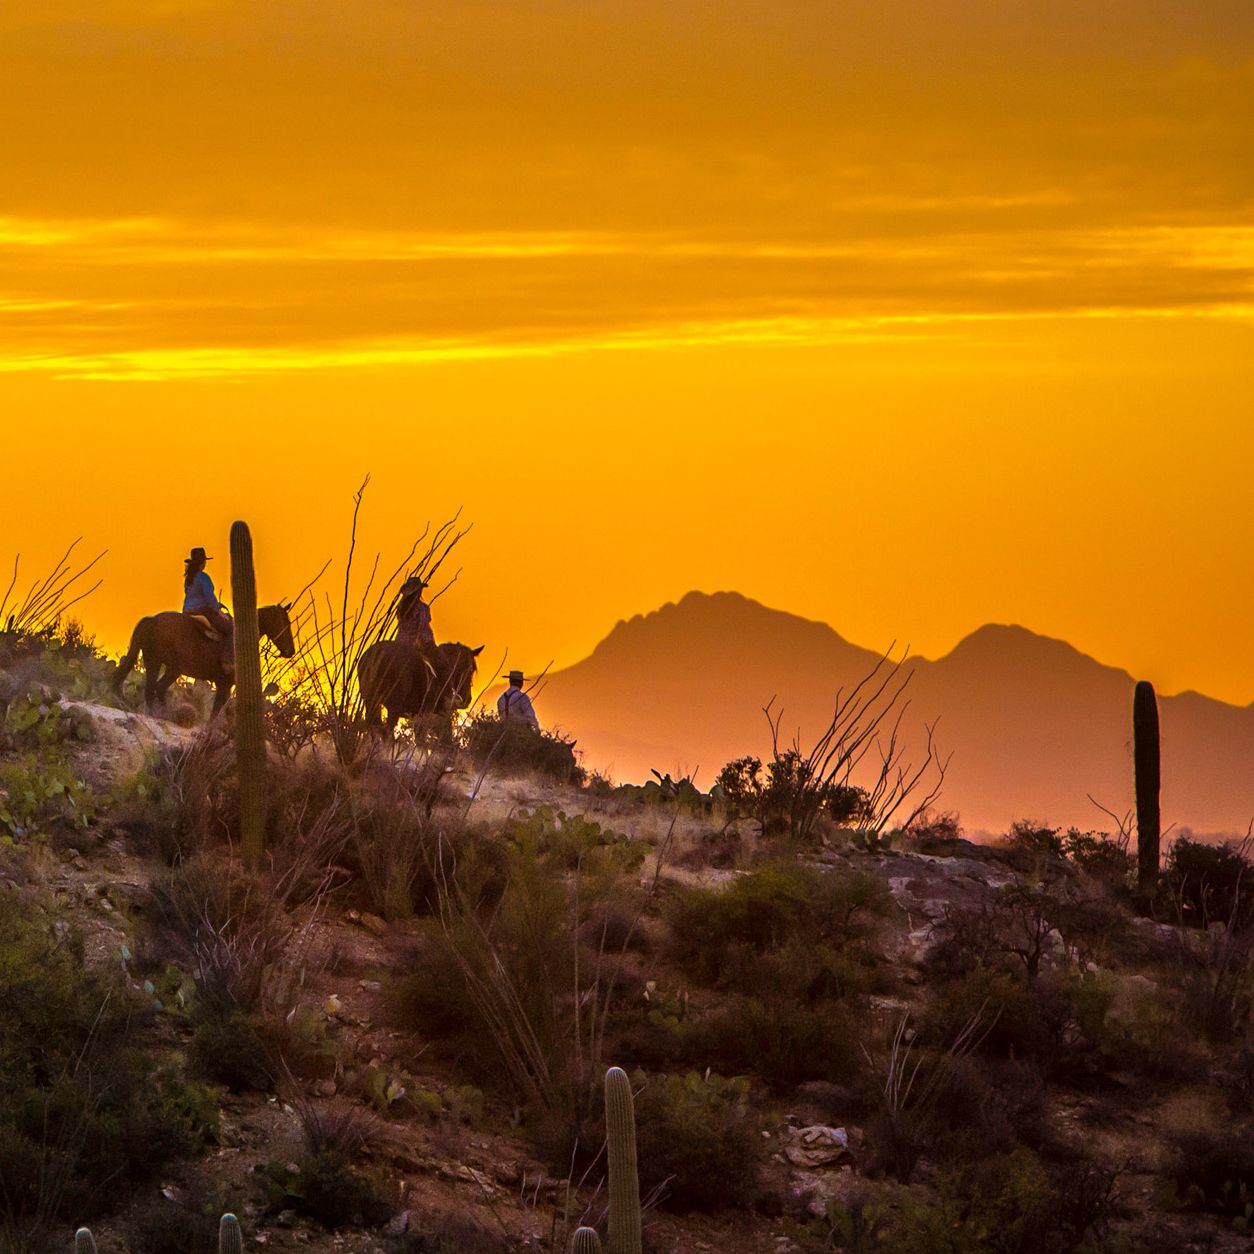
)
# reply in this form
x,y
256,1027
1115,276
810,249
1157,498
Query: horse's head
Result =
x,y
460,670
274,622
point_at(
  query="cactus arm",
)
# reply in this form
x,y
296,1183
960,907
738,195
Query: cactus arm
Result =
x,y
250,732
620,1130
84,1242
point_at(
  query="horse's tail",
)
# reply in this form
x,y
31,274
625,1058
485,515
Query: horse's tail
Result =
x,y
126,664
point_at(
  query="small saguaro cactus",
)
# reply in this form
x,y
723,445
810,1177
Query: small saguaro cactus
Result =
x,y
1147,762
585,1241
84,1242
230,1241
250,730
620,1133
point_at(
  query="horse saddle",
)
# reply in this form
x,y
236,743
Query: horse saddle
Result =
x,y
207,628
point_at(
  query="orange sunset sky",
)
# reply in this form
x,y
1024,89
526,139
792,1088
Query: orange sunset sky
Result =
x,y
905,316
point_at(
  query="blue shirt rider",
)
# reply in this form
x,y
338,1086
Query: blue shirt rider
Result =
x,y
200,600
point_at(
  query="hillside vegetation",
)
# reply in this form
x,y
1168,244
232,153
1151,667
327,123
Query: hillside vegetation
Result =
x,y
392,1036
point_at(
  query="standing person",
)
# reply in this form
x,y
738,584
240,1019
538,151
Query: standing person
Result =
x,y
514,705
201,601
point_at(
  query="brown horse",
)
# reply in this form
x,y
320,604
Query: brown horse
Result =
x,y
174,644
394,676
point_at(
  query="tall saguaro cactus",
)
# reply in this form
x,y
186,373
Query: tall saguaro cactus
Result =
x,y
1147,760
250,732
84,1242
620,1131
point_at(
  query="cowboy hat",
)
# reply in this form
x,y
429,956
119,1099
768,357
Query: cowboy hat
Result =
x,y
198,555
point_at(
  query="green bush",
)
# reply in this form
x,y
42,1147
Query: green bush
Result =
x,y
784,799
698,1138
1012,1204
769,909
514,747
1209,884
76,1093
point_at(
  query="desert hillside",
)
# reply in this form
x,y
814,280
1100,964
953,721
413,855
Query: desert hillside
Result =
x,y
1035,726
389,1036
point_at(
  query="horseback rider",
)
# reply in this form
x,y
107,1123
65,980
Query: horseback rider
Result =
x,y
413,623
201,601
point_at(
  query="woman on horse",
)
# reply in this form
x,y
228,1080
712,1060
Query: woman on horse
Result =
x,y
201,601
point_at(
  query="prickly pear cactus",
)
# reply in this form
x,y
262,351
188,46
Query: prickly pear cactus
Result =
x,y
84,1242
620,1131
230,1240
585,1241
1147,760
250,732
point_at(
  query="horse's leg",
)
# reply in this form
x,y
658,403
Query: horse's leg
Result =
x,y
165,683
221,691
152,676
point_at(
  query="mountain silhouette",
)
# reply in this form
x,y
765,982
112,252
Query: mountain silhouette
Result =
x,y
1034,725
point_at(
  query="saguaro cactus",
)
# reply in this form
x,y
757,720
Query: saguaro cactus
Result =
x,y
230,1241
585,1241
250,732
84,1242
620,1131
1146,756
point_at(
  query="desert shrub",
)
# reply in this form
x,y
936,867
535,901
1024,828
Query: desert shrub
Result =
x,y
1207,884
327,1187
785,796
1142,1029
514,747
1036,838
1012,1204
76,1093
782,1041
293,722
182,800
1213,1169
1100,855
1040,1023
1214,973
247,959
768,909
697,1137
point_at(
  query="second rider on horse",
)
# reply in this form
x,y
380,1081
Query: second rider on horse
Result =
x,y
413,622
201,601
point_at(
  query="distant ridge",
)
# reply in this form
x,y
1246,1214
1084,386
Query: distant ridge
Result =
x,y
1035,725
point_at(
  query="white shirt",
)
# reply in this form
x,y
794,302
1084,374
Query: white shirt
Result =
x,y
514,703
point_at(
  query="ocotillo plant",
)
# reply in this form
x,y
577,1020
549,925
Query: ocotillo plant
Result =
x,y
585,1241
230,1241
250,731
1146,757
84,1242
620,1134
